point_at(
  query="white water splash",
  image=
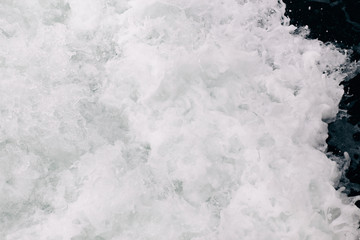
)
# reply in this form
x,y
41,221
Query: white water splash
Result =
x,y
172,119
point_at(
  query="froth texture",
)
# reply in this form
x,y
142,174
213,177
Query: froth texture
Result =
x,y
172,119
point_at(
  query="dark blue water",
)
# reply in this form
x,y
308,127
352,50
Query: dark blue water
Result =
x,y
338,22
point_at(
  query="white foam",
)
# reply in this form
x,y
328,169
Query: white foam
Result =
x,y
166,119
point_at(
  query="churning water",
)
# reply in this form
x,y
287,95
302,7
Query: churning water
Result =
x,y
166,120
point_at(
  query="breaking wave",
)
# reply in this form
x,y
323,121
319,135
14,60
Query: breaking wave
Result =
x,y
172,119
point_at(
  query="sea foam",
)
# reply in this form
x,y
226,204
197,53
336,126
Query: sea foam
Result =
x,y
171,119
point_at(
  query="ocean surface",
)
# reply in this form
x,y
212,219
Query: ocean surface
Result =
x,y
172,119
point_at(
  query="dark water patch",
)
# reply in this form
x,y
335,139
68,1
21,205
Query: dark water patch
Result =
x,y
338,22
329,21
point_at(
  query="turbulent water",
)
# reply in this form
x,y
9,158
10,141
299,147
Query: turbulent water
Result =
x,y
338,22
172,119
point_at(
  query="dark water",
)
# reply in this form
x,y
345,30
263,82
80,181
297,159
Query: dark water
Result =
x,y
338,22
